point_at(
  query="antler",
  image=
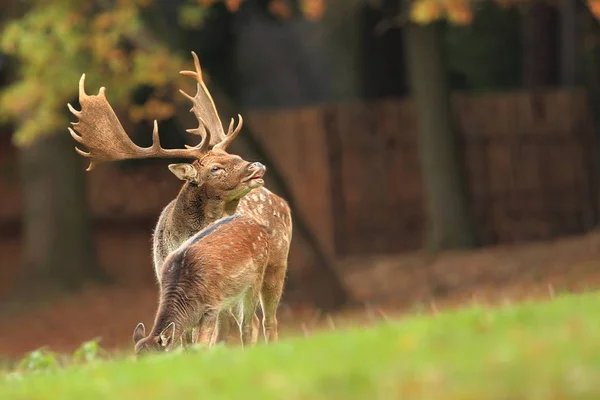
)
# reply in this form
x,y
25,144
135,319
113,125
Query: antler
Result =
x,y
104,136
204,109
231,134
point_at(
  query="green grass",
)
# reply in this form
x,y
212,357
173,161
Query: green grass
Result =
x,y
529,351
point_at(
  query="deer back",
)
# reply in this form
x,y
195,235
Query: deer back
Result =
x,y
213,267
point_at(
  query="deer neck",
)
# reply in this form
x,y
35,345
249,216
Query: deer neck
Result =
x,y
231,207
195,208
173,307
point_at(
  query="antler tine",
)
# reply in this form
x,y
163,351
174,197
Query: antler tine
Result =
x,y
155,137
100,131
203,105
205,142
231,134
82,94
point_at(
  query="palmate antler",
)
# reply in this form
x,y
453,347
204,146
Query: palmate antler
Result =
x,y
100,131
205,110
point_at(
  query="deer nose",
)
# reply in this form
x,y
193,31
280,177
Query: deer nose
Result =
x,y
256,166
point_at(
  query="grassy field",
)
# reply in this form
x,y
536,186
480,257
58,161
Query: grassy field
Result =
x,y
529,351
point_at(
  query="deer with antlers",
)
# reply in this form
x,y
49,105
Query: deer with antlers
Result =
x,y
216,184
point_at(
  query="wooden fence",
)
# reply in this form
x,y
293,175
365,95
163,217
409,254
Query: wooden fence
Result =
x,y
530,160
354,172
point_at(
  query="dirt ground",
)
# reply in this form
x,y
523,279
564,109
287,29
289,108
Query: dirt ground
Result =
x,y
388,286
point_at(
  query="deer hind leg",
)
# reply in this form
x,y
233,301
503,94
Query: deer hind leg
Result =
x,y
247,317
270,295
207,328
215,332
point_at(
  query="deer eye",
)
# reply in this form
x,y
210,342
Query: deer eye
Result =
x,y
215,169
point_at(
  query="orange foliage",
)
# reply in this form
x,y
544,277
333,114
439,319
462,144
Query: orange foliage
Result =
x,y
594,6
280,9
104,20
233,5
425,11
313,9
458,11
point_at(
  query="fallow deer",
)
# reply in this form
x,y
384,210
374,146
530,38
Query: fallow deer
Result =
x,y
203,277
198,203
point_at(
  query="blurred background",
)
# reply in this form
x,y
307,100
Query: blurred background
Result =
x,y
435,152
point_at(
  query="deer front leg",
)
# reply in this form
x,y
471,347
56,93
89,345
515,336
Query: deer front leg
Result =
x,y
224,325
215,332
207,329
187,338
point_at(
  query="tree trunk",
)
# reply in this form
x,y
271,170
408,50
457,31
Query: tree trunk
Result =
x,y
450,223
568,42
58,253
540,50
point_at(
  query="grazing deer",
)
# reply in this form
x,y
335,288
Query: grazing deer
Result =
x,y
219,268
209,192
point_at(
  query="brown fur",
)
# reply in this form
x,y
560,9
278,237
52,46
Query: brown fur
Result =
x,y
220,267
197,206
206,196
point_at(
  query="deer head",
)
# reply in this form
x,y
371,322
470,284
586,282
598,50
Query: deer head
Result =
x,y
100,131
153,343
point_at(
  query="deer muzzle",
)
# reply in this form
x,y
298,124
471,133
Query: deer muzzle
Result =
x,y
257,172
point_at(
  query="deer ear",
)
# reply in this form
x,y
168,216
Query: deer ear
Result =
x,y
185,172
167,335
139,332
